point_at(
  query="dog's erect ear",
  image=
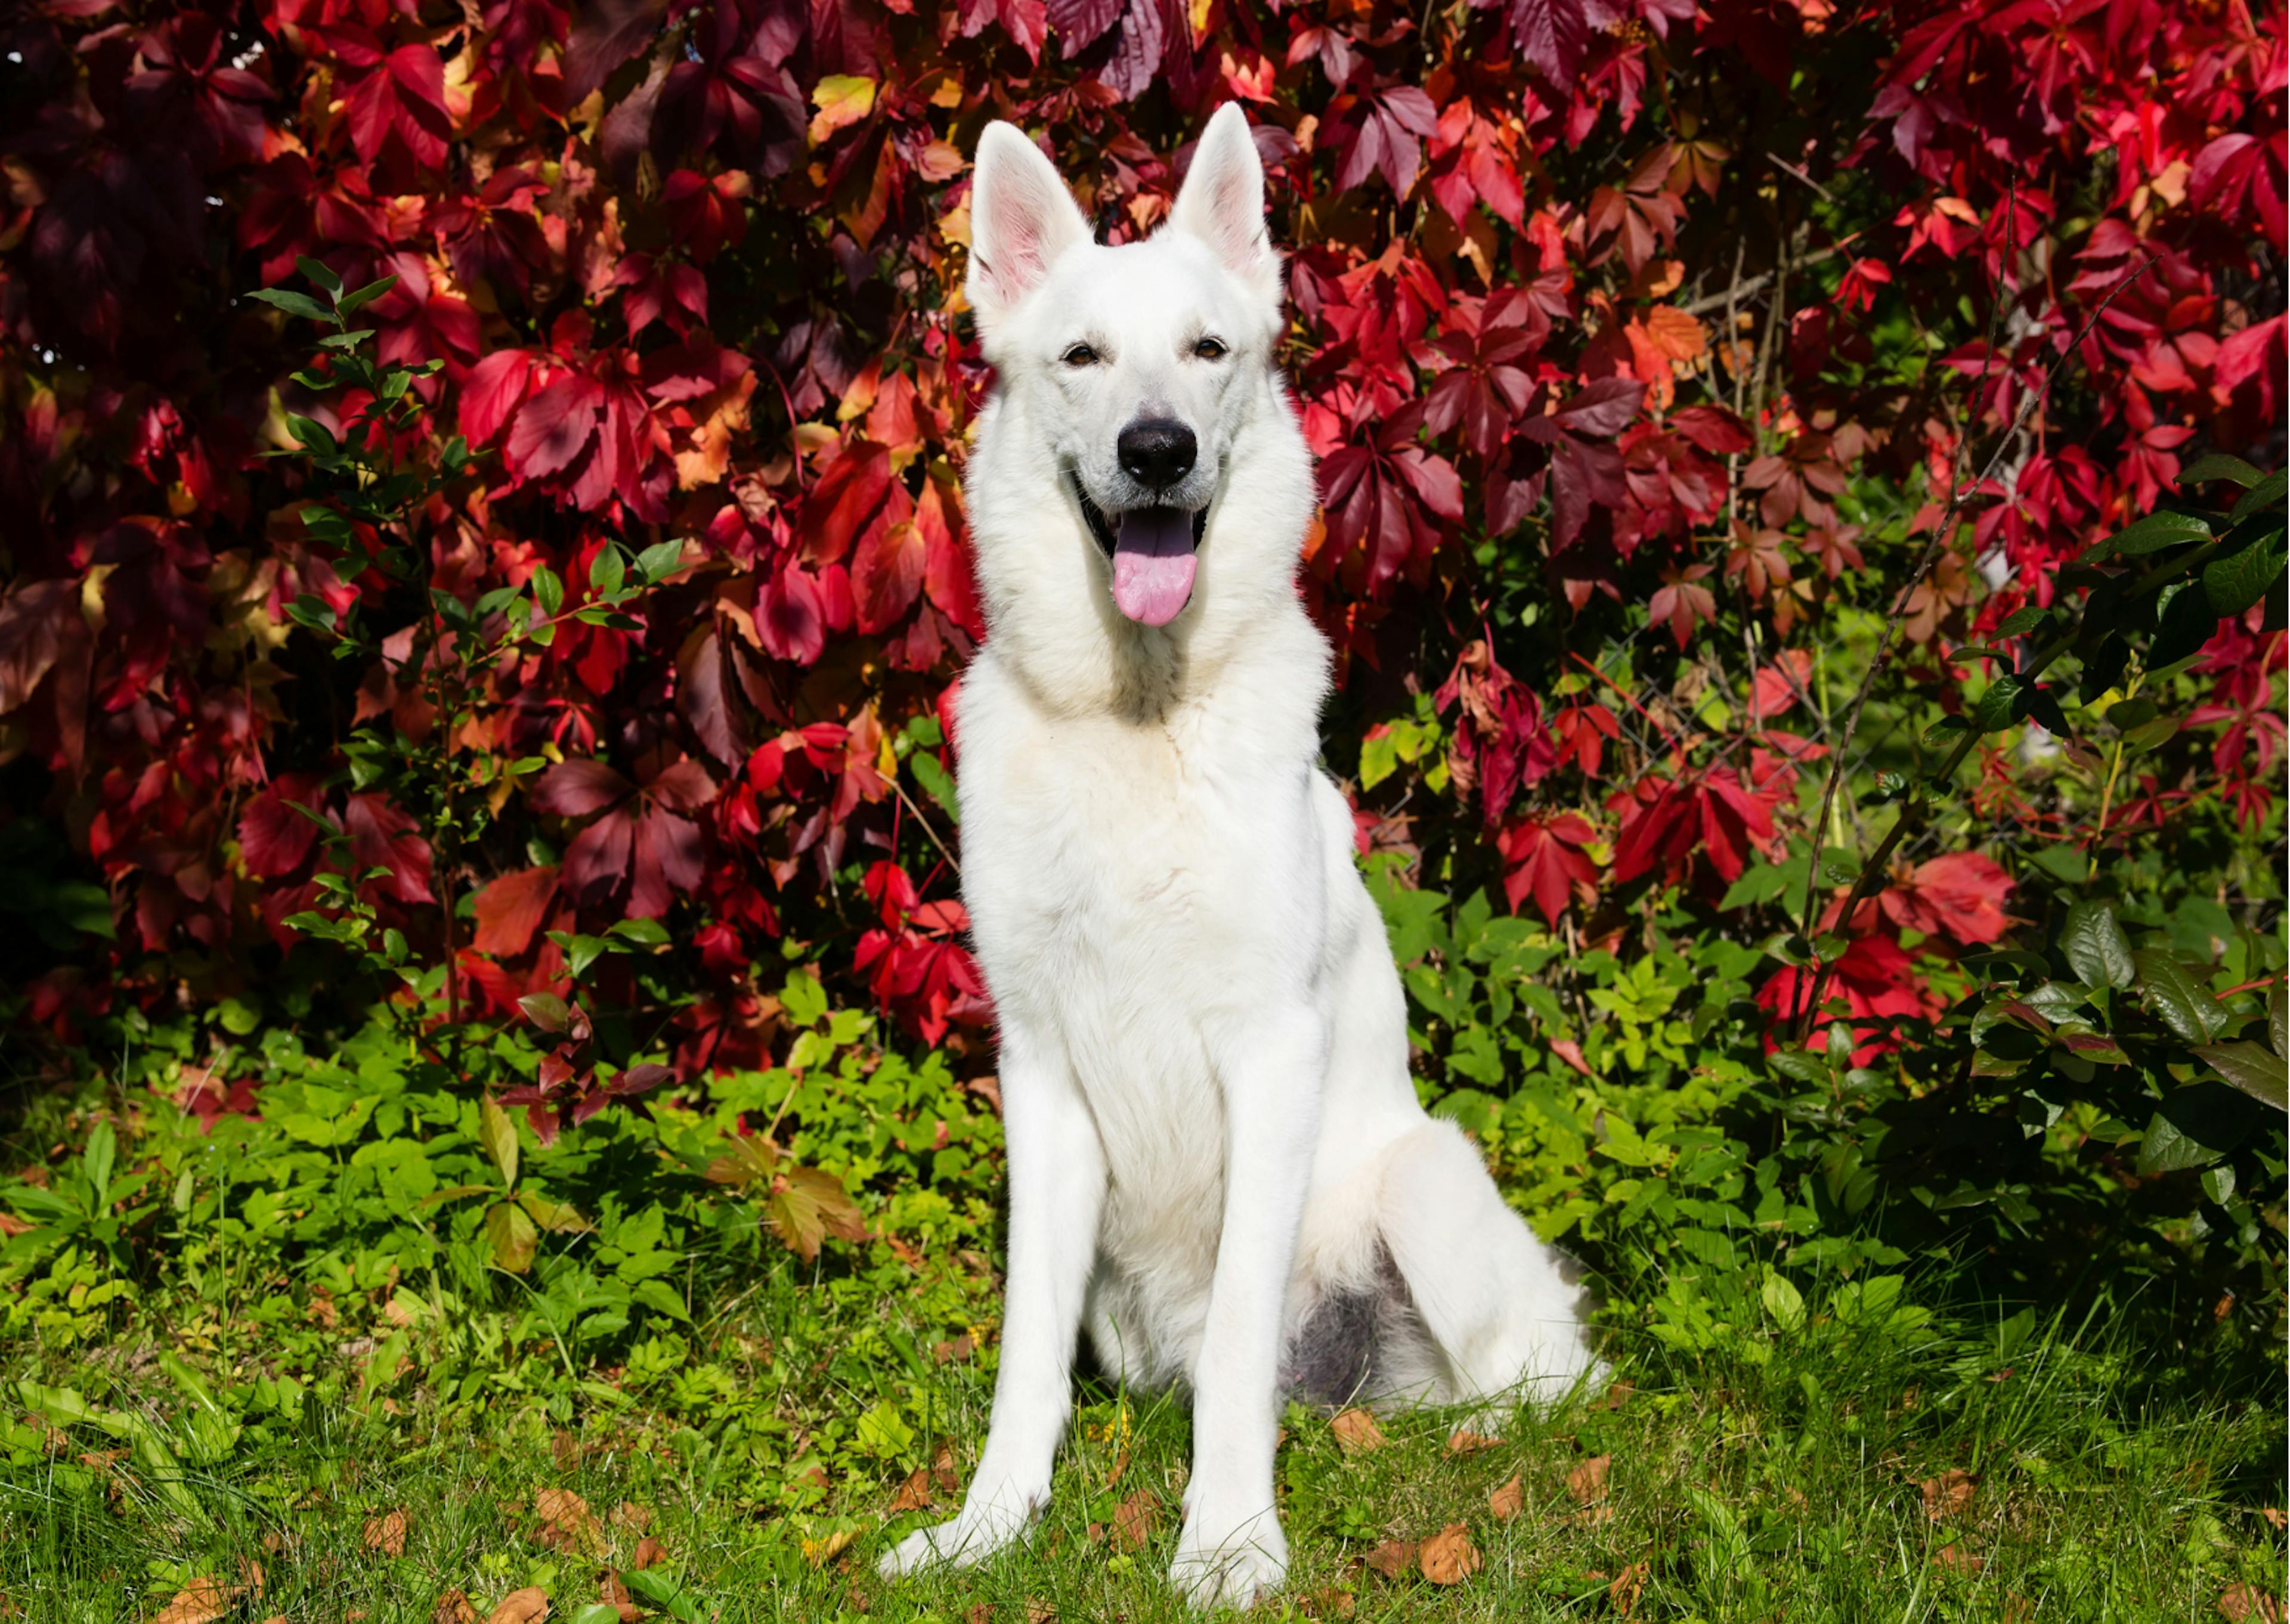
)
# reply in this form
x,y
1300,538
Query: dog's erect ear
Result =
x,y
1021,219
1222,202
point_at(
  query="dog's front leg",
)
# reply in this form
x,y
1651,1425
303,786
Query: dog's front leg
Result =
x,y
1057,1188
1231,1550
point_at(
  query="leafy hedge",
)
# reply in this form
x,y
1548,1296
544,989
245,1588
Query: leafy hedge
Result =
x,y
1794,809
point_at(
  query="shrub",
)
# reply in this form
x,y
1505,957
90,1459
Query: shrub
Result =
x,y
1671,371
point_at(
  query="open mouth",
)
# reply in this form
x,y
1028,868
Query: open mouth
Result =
x,y
1152,553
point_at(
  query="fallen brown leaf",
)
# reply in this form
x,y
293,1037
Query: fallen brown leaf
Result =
x,y
567,1523
614,1593
1449,1557
1629,1584
1947,1495
1329,1603
982,1613
952,1352
2273,1514
386,1534
634,1518
1355,1430
203,1601
453,1608
1392,1558
1587,1483
913,1494
1956,1559
2247,1603
648,1553
1040,1613
1463,1441
1617,1396
1134,1519
529,1605
1507,1501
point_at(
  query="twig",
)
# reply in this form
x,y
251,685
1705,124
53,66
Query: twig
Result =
x,y
908,801
1735,292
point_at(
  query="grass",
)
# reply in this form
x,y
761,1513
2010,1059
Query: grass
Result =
x,y
1996,1470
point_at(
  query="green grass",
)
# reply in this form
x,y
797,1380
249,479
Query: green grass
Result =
x,y
1777,1480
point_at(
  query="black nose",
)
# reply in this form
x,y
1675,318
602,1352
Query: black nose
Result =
x,y
1157,452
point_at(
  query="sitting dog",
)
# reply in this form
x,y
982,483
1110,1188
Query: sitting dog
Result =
x,y
1218,1163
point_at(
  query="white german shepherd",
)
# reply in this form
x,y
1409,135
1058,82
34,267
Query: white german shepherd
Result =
x,y
1217,1160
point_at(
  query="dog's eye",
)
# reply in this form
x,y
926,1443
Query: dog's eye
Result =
x,y
1210,350
1081,355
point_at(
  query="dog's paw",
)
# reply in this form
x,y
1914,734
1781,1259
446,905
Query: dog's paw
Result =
x,y
964,1542
1237,1567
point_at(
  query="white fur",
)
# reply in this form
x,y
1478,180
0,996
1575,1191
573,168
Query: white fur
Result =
x,y
1212,1128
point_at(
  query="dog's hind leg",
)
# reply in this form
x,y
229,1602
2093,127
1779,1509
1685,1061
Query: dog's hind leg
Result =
x,y
1057,1190
1495,1300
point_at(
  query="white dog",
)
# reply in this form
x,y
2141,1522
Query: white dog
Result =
x,y
1217,1160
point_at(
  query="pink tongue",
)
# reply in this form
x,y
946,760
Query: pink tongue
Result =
x,y
1153,563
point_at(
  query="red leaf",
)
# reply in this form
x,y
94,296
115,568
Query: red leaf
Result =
x,y
555,426
273,837
886,574
1960,894
492,389
384,836
1551,35
577,788
512,908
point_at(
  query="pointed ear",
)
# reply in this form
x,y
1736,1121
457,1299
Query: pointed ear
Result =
x,y
1222,202
1021,219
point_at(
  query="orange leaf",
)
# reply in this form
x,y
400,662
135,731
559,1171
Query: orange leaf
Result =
x,y
2247,1603
386,1534
914,1494
453,1608
1392,1558
529,1605
1134,1519
1947,1495
1629,1584
1587,1483
1448,1556
1463,1441
1355,1430
1507,1502
203,1601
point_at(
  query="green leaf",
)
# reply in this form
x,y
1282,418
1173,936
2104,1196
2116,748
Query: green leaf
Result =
x,y
2194,1127
497,1132
2266,493
607,570
2172,994
514,1237
2151,534
2021,623
1784,1302
548,590
645,932
350,303
313,433
2218,465
2147,735
2264,1076
2095,946
658,561
681,1604
2277,1017
293,303
1999,706
546,1011
2234,582
311,612
2186,626
597,1612
317,273
556,1217
937,782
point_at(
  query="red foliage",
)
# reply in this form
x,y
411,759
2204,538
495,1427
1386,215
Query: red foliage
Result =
x,y
690,272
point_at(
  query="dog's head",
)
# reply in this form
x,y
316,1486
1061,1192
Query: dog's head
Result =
x,y
1144,363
